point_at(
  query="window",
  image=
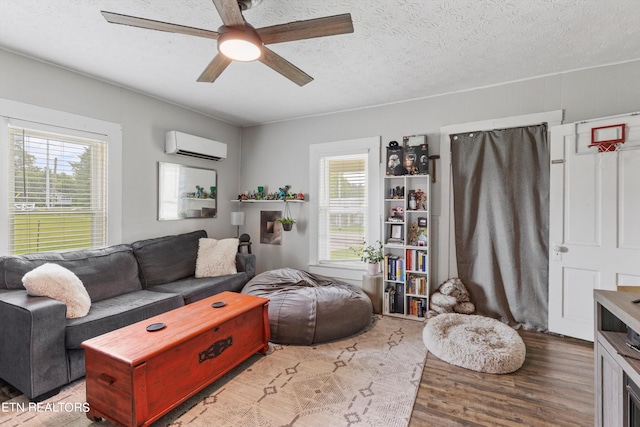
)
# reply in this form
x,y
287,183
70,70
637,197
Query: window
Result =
x,y
345,176
343,201
57,192
75,131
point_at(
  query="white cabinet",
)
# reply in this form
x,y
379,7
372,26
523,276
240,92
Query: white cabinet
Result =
x,y
407,246
617,366
610,389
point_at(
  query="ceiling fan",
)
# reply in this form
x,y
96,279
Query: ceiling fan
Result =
x,y
239,41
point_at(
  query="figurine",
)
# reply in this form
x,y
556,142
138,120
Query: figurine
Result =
x,y
413,201
412,235
422,238
397,214
282,194
421,199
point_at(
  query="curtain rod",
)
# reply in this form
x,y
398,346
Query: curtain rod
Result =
x,y
501,128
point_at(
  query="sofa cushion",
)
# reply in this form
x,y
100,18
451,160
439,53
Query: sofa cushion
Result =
x,y
54,281
169,258
105,272
193,289
114,313
216,257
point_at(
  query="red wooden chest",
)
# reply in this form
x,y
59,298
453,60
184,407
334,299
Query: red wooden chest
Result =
x,y
134,376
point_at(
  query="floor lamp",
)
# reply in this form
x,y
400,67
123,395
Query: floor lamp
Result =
x,y
237,219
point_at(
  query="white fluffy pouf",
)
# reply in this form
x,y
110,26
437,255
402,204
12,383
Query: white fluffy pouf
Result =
x,y
475,342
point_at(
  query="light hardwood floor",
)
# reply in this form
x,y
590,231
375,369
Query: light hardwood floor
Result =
x,y
554,387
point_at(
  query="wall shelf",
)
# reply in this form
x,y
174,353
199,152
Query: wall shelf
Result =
x,y
267,201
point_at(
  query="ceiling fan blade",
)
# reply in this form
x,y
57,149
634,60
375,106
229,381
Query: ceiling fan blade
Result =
x,y
284,67
229,11
116,18
299,30
214,69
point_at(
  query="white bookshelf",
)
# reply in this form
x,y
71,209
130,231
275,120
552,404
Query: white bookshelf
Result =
x,y
406,267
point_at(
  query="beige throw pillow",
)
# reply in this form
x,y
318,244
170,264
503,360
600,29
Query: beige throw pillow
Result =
x,y
54,281
216,257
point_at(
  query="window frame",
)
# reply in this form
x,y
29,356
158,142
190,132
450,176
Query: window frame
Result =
x,y
48,120
370,146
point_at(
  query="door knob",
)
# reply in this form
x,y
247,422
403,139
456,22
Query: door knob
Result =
x,y
558,248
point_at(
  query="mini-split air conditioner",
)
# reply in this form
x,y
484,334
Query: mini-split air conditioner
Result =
x,y
194,146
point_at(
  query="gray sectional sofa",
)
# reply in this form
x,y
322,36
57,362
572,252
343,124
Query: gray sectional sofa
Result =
x,y
40,348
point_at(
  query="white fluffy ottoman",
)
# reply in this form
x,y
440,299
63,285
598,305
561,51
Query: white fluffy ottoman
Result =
x,y
475,342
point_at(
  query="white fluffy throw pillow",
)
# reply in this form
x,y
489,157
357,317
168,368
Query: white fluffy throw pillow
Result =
x,y
54,281
216,257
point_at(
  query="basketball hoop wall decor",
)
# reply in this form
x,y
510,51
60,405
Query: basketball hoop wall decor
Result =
x,y
602,141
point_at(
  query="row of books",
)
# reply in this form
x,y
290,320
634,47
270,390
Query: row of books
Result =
x,y
416,285
394,268
417,307
417,260
394,301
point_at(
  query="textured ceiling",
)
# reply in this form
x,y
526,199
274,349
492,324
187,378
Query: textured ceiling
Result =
x,y
400,50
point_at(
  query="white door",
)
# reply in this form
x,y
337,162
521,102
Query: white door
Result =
x,y
594,228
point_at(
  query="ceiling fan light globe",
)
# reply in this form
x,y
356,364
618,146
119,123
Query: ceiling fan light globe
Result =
x,y
239,43
239,49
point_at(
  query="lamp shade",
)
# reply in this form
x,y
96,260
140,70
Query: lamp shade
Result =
x,y
237,218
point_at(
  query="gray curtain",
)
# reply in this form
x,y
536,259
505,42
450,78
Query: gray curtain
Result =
x,y
501,211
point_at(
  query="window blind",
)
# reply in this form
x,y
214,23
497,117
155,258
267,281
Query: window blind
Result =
x,y
57,191
343,206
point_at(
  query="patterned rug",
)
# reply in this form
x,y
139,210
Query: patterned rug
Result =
x,y
7,391
369,379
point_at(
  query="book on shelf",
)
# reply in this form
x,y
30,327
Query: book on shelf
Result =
x,y
417,260
394,268
399,298
389,302
395,219
417,307
416,285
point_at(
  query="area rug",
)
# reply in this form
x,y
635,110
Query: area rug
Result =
x,y
369,379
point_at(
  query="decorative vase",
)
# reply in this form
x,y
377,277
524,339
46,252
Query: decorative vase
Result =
x,y
373,268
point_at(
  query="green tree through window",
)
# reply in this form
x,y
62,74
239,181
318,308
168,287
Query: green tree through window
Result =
x,y
57,192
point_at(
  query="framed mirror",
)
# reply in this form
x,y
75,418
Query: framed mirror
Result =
x,y
186,192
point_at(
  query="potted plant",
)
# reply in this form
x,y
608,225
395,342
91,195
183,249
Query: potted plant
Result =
x,y
372,255
287,223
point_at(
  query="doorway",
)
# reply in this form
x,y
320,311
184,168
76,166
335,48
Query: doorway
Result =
x,y
447,264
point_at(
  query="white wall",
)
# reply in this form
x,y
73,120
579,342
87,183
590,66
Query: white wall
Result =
x,y
277,154
144,121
